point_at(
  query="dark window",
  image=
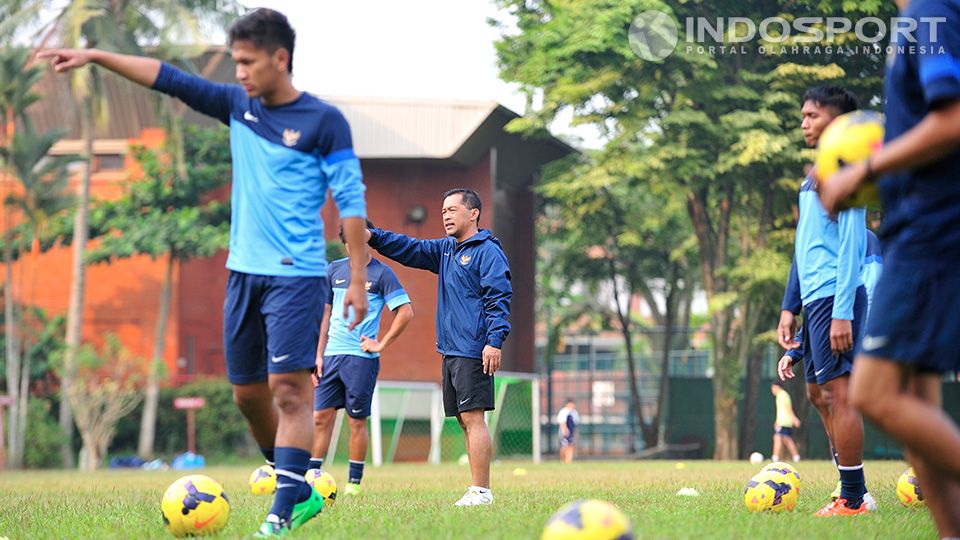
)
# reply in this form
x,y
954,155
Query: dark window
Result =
x,y
110,162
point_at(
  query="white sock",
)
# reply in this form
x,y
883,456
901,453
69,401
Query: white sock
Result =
x,y
774,458
796,458
480,489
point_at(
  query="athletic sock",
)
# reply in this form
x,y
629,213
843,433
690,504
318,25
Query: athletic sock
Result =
x,y
291,465
852,485
268,455
480,489
356,472
316,463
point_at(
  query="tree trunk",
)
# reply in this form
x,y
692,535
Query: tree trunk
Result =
x,y
626,328
13,349
77,285
21,419
751,396
663,394
148,422
726,376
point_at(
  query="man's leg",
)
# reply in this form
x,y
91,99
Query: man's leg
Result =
x,y
255,401
847,427
323,421
358,448
876,390
777,447
478,445
792,448
816,398
293,396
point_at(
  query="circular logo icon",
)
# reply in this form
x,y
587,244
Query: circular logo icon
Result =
x,y
653,35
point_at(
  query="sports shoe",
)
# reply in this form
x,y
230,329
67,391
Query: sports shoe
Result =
x,y
870,502
839,508
836,493
274,527
473,497
351,489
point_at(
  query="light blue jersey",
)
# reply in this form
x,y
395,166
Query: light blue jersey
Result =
x,y
285,158
383,289
829,252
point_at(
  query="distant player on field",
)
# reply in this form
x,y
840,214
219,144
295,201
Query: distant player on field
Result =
x,y
473,305
348,361
288,148
829,255
567,419
784,423
911,337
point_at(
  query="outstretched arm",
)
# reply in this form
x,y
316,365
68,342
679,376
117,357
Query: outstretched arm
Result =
x,y
423,254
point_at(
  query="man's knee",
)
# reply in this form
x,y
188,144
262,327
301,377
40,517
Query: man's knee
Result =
x,y
289,393
323,418
250,398
357,425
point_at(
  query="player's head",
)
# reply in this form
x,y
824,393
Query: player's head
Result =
x,y
262,46
819,106
343,238
570,404
460,212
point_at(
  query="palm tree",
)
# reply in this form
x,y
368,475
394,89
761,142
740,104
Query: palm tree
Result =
x,y
125,26
45,194
16,82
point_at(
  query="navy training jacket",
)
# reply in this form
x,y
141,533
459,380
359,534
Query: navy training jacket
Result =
x,y
473,290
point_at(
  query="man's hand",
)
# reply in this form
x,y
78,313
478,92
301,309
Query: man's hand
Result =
x,y
370,345
796,422
356,298
318,370
837,190
841,336
64,60
787,330
785,368
491,359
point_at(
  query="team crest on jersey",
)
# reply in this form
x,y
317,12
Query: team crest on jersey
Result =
x,y
464,259
368,285
291,137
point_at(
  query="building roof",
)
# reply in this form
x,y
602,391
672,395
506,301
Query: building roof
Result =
x,y
383,128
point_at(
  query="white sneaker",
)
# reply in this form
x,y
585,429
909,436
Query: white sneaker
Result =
x,y
870,502
475,497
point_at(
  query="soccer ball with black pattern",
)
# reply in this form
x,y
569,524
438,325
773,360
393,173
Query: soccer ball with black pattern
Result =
x,y
263,480
195,505
850,138
769,491
325,485
788,472
908,489
588,519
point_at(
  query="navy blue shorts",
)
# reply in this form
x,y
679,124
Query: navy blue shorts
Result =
x,y
817,317
566,441
784,431
914,318
347,382
271,324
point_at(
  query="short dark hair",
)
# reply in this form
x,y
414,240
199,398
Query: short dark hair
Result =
x,y
569,400
267,29
470,199
344,238
836,97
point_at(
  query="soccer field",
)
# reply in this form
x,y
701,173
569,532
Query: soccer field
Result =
x,y
416,501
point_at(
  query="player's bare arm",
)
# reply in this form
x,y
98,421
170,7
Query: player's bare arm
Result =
x,y
139,69
402,317
356,234
322,343
933,138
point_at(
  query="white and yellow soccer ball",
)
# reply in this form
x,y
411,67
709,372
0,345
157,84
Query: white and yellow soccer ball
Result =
x,y
786,471
325,485
588,520
851,138
195,505
770,491
263,480
908,489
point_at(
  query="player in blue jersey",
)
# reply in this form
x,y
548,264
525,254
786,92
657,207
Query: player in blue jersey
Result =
x,y
348,361
869,274
473,305
288,148
911,337
829,255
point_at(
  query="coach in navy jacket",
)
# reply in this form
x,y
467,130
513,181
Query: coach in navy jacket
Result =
x,y
473,305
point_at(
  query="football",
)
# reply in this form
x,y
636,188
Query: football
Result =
x,y
588,519
195,505
851,138
325,485
908,489
756,458
788,472
770,491
263,481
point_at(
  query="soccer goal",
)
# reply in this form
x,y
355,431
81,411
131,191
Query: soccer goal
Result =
x,y
407,423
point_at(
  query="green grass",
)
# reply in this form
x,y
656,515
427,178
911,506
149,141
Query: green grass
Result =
x,y
416,501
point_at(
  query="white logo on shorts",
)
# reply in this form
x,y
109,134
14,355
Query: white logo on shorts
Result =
x,y
819,371
871,343
339,281
278,359
354,411
464,401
